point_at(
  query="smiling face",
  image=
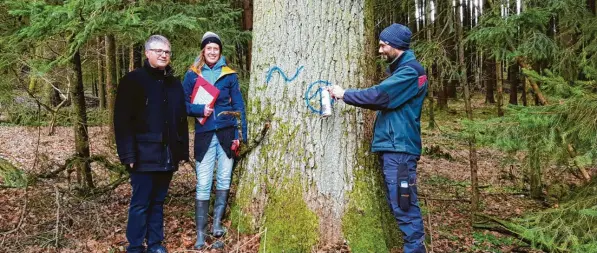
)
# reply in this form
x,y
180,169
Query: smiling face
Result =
x,y
388,53
211,53
158,55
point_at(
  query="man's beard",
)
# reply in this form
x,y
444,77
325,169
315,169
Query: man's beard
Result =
x,y
388,58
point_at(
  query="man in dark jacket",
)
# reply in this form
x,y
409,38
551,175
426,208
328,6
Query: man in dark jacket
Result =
x,y
152,137
397,132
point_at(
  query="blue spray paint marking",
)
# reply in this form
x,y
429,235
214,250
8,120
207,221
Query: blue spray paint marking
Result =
x,y
308,97
270,73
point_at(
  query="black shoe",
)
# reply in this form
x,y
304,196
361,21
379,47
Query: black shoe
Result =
x,y
157,249
201,210
219,210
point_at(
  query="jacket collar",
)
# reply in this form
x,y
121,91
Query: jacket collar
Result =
x,y
167,72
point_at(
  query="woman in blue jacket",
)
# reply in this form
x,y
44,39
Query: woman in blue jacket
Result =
x,y
217,138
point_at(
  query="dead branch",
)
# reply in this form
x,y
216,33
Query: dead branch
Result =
x,y
429,226
57,216
508,228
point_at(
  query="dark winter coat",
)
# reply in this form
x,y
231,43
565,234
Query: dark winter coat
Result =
x,y
150,120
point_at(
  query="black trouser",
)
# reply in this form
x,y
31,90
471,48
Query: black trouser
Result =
x,y
146,211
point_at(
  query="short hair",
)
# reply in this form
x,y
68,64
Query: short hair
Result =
x,y
156,38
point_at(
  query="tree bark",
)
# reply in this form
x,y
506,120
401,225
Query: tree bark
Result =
x,y
542,100
514,82
469,114
500,87
489,79
248,26
82,165
131,57
117,62
101,84
316,172
430,87
524,95
535,174
110,78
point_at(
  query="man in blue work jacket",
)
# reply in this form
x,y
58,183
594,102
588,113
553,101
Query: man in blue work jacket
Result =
x,y
397,132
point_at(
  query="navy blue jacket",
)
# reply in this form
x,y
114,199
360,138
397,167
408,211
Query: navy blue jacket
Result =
x,y
229,99
398,101
150,120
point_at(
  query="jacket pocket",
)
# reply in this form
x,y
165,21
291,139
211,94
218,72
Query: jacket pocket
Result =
x,y
149,148
391,132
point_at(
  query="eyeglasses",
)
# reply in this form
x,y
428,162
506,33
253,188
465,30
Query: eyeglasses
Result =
x,y
161,51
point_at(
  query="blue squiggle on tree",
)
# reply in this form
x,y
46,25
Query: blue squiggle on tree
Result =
x,y
270,73
308,95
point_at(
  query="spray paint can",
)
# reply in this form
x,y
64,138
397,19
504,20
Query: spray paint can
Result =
x,y
326,104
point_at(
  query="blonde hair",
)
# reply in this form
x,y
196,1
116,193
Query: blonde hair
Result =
x,y
198,63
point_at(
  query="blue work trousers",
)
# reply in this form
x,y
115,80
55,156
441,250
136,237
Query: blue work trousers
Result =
x,y
410,222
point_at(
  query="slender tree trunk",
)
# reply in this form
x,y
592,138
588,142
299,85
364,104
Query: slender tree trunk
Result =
x,y
82,164
442,96
412,19
535,174
514,82
453,20
93,85
131,57
500,87
117,63
592,6
489,79
111,77
248,26
469,113
314,171
430,87
541,99
100,72
525,89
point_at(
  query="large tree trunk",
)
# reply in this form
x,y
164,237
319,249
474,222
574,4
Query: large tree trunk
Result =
x,y
469,114
82,165
101,84
312,181
111,77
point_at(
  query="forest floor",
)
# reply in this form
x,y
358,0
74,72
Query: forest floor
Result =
x,y
43,217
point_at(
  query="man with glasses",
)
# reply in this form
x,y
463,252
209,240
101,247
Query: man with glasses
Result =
x,y
152,138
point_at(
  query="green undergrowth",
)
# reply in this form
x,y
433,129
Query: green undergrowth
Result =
x,y
571,227
11,176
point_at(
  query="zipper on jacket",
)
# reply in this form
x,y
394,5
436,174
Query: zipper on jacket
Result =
x,y
391,130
